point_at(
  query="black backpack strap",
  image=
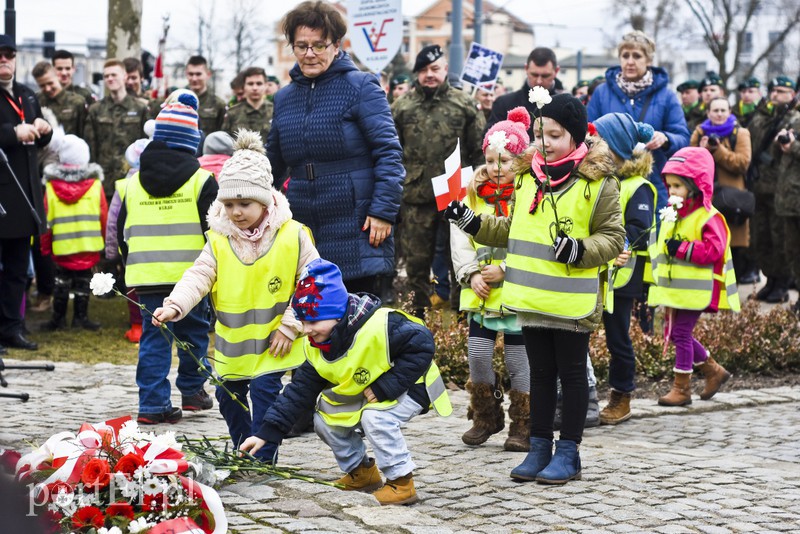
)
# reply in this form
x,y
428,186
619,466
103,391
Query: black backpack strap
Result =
x,y
645,106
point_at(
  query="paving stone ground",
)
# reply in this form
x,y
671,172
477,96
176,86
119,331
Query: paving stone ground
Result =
x,y
731,464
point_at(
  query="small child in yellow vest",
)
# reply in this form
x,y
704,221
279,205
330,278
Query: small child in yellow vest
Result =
x,y
693,270
76,219
481,271
250,264
367,368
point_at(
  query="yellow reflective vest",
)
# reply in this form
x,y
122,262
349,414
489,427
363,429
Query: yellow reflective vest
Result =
x,y
535,281
684,285
249,301
469,301
76,227
163,234
366,360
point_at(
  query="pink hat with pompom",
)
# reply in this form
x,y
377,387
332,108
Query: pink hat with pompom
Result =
x,y
516,130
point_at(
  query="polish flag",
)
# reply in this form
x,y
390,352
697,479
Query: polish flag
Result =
x,y
452,185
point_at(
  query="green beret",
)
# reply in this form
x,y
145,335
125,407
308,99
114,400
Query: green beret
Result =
x,y
712,78
752,81
782,81
688,84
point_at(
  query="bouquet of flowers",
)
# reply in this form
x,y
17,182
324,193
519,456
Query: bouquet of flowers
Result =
x,y
112,478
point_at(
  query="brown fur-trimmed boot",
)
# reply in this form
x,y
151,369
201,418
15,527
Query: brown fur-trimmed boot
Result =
x,y
715,376
681,392
519,431
487,413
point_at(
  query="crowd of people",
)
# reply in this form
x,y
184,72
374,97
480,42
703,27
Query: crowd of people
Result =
x,y
289,211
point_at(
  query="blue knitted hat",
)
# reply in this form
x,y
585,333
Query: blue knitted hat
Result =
x,y
622,133
320,293
176,124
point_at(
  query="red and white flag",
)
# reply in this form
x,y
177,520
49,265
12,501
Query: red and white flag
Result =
x,y
452,185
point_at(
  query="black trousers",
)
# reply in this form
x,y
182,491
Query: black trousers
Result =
x,y
14,256
557,354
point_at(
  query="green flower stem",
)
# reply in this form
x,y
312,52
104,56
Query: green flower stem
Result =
x,y
548,186
166,332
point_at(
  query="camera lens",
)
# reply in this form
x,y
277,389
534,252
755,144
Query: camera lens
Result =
x,y
783,139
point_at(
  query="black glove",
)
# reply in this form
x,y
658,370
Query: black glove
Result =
x,y
568,249
463,217
672,246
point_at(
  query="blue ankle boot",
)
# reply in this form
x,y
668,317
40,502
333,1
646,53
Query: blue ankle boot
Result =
x,y
537,459
565,465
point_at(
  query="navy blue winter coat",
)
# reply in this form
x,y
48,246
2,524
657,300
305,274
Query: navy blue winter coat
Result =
x,y
664,114
411,349
335,137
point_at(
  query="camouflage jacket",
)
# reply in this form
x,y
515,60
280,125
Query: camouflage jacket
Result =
x,y
429,129
695,116
69,108
243,115
82,92
211,110
768,159
787,189
110,128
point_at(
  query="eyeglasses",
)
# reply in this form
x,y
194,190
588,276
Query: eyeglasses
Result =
x,y
318,48
8,54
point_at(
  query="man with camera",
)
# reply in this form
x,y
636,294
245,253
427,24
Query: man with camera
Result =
x,y
774,173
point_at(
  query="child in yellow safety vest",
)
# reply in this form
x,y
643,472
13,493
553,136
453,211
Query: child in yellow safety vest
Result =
x,y
693,270
76,218
565,227
367,368
481,270
250,264
638,203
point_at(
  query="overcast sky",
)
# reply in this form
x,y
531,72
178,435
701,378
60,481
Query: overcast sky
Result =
x,y
568,23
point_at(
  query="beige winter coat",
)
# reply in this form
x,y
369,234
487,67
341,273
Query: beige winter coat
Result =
x,y
198,279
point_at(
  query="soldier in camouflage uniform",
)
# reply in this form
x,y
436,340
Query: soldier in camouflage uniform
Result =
x,y
114,122
430,119
749,99
255,111
710,88
64,63
134,75
211,108
767,226
690,103
69,108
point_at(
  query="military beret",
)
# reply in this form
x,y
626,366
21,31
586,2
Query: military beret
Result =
x,y
273,79
712,78
426,56
399,80
752,81
782,81
688,84
584,83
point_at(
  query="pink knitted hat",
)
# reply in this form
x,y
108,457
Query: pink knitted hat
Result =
x,y
516,130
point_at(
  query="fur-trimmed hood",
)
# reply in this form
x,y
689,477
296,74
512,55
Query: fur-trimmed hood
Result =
x,y
640,165
599,162
73,174
248,250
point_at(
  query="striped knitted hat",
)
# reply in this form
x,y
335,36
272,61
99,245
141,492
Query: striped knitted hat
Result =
x,y
176,124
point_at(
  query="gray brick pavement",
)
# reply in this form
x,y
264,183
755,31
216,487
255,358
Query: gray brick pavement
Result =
x,y
731,464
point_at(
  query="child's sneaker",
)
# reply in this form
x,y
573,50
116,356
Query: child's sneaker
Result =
x,y
172,416
199,401
135,333
365,477
398,491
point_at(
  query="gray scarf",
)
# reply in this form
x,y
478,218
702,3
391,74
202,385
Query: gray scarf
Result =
x,y
634,88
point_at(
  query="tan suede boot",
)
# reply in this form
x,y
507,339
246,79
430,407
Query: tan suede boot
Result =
x,y
486,411
365,477
715,376
519,431
618,408
681,392
398,491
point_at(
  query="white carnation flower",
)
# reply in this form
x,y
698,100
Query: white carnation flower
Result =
x,y
539,96
668,214
101,283
675,201
498,141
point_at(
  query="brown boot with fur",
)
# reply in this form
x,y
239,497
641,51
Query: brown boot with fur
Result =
x,y
681,392
519,431
485,411
365,477
715,376
398,491
618,408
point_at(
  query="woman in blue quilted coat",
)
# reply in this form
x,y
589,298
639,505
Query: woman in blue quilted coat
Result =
x,y
333,134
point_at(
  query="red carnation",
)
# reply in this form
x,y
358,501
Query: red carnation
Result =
x,y
96,473
128,464
121,509
88,516
591,129
51,521
54,488
8,460
153,503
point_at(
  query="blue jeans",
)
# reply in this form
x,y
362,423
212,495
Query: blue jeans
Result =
x,y
241,424
382,429
155,355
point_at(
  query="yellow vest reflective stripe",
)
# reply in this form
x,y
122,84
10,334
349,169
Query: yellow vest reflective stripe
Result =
x,y
535,281
163,234
469,301
249,301
684,285
76,227
366,360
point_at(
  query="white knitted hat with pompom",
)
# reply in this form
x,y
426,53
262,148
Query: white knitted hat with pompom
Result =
x,y
248,173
